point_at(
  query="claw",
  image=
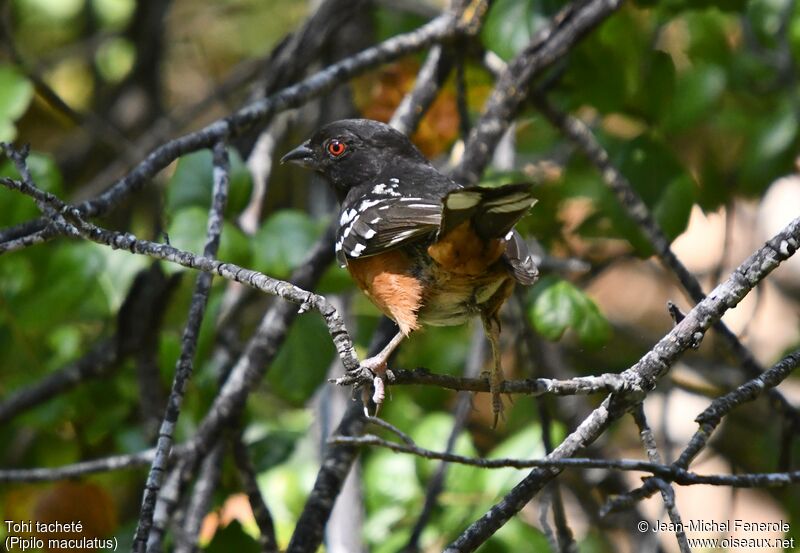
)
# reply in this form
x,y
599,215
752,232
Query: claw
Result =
x,y
497,409
380,392
377,366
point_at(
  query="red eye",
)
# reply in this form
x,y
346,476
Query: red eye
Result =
x,y
336,148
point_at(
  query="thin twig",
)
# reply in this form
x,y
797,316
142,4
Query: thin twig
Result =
x,y
641,378
708,421
511,90
97,362
461,412
200,502
578,132
667,493
168,503
391,428
668,473
74,225
583,385
440,29
564,540
430,79
106,464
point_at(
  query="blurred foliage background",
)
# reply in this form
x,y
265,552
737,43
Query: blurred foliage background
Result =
x,y
697,103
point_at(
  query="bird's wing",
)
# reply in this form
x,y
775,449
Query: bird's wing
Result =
x,y
378,223
492,211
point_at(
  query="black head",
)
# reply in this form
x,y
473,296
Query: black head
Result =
x,y
351,152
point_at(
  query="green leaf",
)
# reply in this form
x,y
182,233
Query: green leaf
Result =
x,y
558,306
675,205
273,449
656,90
390,22
699,89
375,530
655,174
301,366
511,24
525,444
115,58
16,93
592,328
65,288
187,231
8,131
553,311
709,33
771,150
283,242
193,182
606,69
677,6
382,471
432,432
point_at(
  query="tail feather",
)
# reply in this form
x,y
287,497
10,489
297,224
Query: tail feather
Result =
x,y
493,211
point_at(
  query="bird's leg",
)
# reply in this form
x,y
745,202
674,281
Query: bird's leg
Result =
x,y
377,364
491,325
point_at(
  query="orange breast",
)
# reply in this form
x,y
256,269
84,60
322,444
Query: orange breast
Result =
x,y
386,279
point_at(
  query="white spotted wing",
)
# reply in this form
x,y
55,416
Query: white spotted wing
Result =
x,y
381,222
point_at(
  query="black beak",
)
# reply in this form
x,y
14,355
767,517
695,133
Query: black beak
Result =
x,y
302,155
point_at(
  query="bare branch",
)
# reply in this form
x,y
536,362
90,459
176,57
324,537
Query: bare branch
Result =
x,y
106,464
168,503
22,240
200,502
583,385
641,378
96,362
185,364
570,25
574,129
667,493
460,413
430,79
441,28
709,419
665,472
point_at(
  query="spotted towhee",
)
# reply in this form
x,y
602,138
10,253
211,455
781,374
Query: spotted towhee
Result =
x,y
423,248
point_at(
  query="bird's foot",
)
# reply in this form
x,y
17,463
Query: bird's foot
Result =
x,y
377,366
495,383
495,379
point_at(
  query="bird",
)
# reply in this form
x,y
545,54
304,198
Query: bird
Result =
x,y
425,249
